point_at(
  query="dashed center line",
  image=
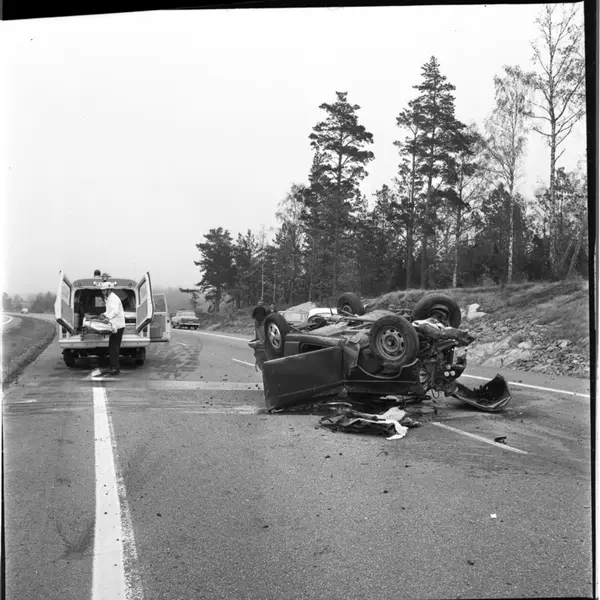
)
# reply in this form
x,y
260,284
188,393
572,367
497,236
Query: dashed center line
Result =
x,y
479,438
243,362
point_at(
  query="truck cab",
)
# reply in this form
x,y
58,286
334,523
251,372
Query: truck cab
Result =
x,y
83,298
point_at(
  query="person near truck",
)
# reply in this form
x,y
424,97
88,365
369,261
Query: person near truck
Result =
x,y
259,314
115,315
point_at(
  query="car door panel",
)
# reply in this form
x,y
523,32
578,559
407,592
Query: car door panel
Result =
x,y
63,310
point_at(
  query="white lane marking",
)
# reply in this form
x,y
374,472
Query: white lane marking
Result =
x,y
6,322
227,337
479,438
243,362
535,387
108,579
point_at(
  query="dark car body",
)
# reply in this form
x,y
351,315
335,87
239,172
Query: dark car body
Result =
x,y
338,354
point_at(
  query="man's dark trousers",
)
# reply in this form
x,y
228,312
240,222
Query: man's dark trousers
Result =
x,y
114,345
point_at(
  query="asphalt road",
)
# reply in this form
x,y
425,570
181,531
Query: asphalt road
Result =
x,y
171,482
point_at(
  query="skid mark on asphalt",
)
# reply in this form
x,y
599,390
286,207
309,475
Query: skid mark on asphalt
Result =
x,y
227,337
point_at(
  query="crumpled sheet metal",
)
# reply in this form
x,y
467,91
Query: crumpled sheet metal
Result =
x,y
490,397
296,379
393,423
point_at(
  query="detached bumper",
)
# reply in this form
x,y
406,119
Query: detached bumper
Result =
x,y
95,340
490,397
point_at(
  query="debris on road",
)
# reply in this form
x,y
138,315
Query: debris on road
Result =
x,y
393,423
494,516
500,439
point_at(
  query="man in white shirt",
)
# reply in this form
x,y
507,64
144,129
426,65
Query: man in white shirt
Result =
x,y
115,315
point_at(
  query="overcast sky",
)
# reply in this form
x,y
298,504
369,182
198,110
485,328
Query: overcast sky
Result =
x,y
128,136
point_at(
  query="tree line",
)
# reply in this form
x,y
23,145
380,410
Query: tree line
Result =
x,y
452,214
42,303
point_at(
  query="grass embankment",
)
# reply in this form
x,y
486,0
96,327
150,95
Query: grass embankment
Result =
x,y
22,344
531,326
562,307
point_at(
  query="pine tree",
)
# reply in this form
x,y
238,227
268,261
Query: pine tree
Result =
x,y
340,142
436,144
216,263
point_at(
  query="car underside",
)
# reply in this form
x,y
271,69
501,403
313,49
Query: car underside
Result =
x,y
371,355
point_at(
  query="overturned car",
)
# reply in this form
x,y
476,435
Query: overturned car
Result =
x,y
371,354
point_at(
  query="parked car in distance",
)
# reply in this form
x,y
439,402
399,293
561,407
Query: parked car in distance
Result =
x,y
185,319
24,311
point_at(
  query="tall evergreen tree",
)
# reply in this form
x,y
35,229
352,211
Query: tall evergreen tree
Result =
x,y
341,143
245,261
409,181
435,145
216,263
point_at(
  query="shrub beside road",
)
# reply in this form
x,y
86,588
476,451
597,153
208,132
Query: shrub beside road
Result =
x,y
22,344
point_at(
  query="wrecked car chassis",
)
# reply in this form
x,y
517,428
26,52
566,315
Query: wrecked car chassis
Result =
x,y
370,356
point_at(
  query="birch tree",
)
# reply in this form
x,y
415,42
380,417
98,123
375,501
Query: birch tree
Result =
x,y
507,129
559,81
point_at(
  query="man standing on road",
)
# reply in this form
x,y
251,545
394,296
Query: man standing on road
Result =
x,y
258,314
272,308
116,317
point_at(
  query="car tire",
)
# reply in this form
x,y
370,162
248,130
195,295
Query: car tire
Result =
x,y
393,341
276,328
69,358
426,305
350,303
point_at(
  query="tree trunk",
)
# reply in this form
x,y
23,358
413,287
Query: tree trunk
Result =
x,y
575,256
409,257
456,248
511,236
424,237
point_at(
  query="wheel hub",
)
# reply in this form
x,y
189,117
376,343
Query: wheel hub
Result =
x,y
391,343
274,336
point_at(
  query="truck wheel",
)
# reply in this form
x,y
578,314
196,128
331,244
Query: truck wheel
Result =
x,y
393,341
350,303
441,306
276,328
141,357
69,358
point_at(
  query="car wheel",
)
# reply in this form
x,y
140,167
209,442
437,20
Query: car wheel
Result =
x,y
276,328
441,306
393,341
69,358
350,303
